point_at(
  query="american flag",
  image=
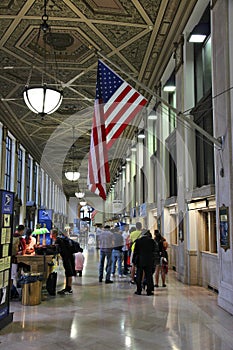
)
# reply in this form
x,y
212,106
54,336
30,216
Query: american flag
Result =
x,y
116,104
98,169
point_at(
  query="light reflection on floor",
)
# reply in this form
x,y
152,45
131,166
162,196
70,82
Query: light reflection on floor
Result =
x,y
100,316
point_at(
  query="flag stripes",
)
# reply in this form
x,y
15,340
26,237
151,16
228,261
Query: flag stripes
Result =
x,y
116,105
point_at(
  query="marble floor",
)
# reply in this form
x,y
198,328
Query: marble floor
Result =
x,y
110,316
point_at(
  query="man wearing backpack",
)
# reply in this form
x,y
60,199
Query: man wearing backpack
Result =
x,y
66,252
143,259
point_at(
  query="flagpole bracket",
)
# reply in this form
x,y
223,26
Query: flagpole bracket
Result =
x,y
221,140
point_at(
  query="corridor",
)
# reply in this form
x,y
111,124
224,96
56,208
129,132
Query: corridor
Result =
x,y
100,316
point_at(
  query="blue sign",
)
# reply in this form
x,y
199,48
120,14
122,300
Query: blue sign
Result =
x,y
45,215
45,218
7,202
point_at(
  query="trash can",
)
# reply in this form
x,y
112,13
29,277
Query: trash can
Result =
x,y
31,288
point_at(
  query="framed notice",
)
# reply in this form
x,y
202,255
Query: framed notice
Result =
x,y
6,220
224,227
181,226
5,250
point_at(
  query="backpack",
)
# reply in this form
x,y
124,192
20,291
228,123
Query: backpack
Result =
x,y
74,246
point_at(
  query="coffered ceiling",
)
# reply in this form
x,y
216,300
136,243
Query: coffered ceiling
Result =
x,y
136,35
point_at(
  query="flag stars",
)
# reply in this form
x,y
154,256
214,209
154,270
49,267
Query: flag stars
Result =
x,y
109,82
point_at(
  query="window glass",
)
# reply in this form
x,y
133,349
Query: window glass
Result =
x,y
7,177
202,69
35,182
19,173
28,180
204,148
207,66
210,232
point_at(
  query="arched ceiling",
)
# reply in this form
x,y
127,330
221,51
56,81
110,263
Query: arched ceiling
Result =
x,y
137,35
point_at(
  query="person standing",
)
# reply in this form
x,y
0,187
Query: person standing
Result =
x,y
79,262
117,252
125,249
64,248
105,245
161,262
19,243
30,243
133,237
144,259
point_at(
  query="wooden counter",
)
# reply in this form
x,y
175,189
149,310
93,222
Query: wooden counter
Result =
x,y
36,263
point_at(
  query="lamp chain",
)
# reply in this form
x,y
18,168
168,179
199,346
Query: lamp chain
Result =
x,y
73,150
32,66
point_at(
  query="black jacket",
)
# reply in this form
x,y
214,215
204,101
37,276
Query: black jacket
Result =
x,y
144,251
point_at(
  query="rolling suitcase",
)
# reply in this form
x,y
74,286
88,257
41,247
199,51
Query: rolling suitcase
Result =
x,y
51,283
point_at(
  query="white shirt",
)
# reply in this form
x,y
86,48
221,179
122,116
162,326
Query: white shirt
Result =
x,y
125,235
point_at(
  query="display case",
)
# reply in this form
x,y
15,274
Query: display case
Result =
x,y
6,236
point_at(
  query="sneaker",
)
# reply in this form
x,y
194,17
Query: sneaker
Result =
x,y
132,282
108,281
61,291
100,279
156,286
112,274
164,285
65,292
120,276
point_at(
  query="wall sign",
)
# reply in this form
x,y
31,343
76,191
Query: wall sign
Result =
x,y
224,227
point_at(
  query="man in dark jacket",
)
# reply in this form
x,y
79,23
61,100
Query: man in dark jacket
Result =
x,y
144,260
65,251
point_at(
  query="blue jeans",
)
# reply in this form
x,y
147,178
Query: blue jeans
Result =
x,y
108,255
117,257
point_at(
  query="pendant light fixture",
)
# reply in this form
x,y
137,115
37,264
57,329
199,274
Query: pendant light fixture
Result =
x,y
43,99
79,194
141,134
72,175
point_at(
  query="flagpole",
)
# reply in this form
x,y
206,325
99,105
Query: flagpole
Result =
x,y
180,116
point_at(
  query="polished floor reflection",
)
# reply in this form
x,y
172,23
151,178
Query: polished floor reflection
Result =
x,y
110,316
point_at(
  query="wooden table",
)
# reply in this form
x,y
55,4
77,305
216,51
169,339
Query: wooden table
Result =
x,y
37,263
